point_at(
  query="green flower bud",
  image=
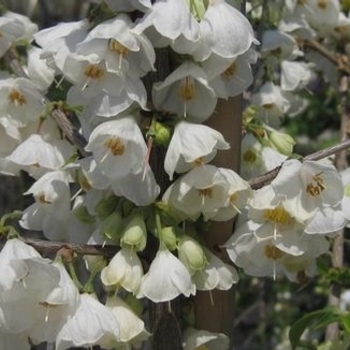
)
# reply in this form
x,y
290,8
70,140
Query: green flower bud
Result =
x,y
106,206
191,254
198,8
281,142
161,133
83,215
168,236
112,226
135,234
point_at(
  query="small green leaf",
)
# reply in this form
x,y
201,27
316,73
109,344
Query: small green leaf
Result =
x,y
345,321
316,319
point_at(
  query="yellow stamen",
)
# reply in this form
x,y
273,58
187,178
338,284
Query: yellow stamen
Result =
x,y
115,145
322,4
277,215
187,92
272,252
117,47
198,162
206,192
41,199
230,71
316,186
17,98
94,71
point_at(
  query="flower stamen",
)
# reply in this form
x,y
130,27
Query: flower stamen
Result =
x,y
16,98
316,186
115,145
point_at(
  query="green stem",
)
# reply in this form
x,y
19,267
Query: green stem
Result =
x,y
74,276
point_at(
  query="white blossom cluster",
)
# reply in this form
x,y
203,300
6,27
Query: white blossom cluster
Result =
x,y
111,196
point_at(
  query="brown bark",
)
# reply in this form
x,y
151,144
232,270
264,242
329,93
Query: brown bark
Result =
x,y
217,316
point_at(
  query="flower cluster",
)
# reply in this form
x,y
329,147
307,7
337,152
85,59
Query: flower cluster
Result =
x,y
117,192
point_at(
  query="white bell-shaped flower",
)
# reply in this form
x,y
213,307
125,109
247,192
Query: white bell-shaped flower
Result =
x,y
118,147
308,186
224,31
186,91
171,19
194,339
271,102
124,270
166,278
115,42
203,190
21,100
88,325
192,145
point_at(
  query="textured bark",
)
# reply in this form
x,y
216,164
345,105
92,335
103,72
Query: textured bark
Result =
x,y
217,316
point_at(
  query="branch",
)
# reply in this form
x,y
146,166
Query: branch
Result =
x,y
264,179
341,61
69,131
53,247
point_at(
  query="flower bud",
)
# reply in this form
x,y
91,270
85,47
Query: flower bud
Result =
x,y
168,236
83,215
112,226
198,8
281,142
191,254
135,234
106,206
161,133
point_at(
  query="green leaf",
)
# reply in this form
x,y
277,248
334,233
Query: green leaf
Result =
x,y
316,319
345,321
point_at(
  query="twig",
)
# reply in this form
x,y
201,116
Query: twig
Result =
x,y
81,249
341,61
264,179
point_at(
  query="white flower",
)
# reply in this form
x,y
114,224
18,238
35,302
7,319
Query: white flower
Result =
x,y
118,147
15,27
192,145
171,19
294,75
235,79
51,209
238,194
195,339
186,91
271,102
61,40
12,262
21,100
131,326
224,31
308,186
215,275
90,322
38,70
37,156
124,270
114,41
256,159
140,188
203,190
166,278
